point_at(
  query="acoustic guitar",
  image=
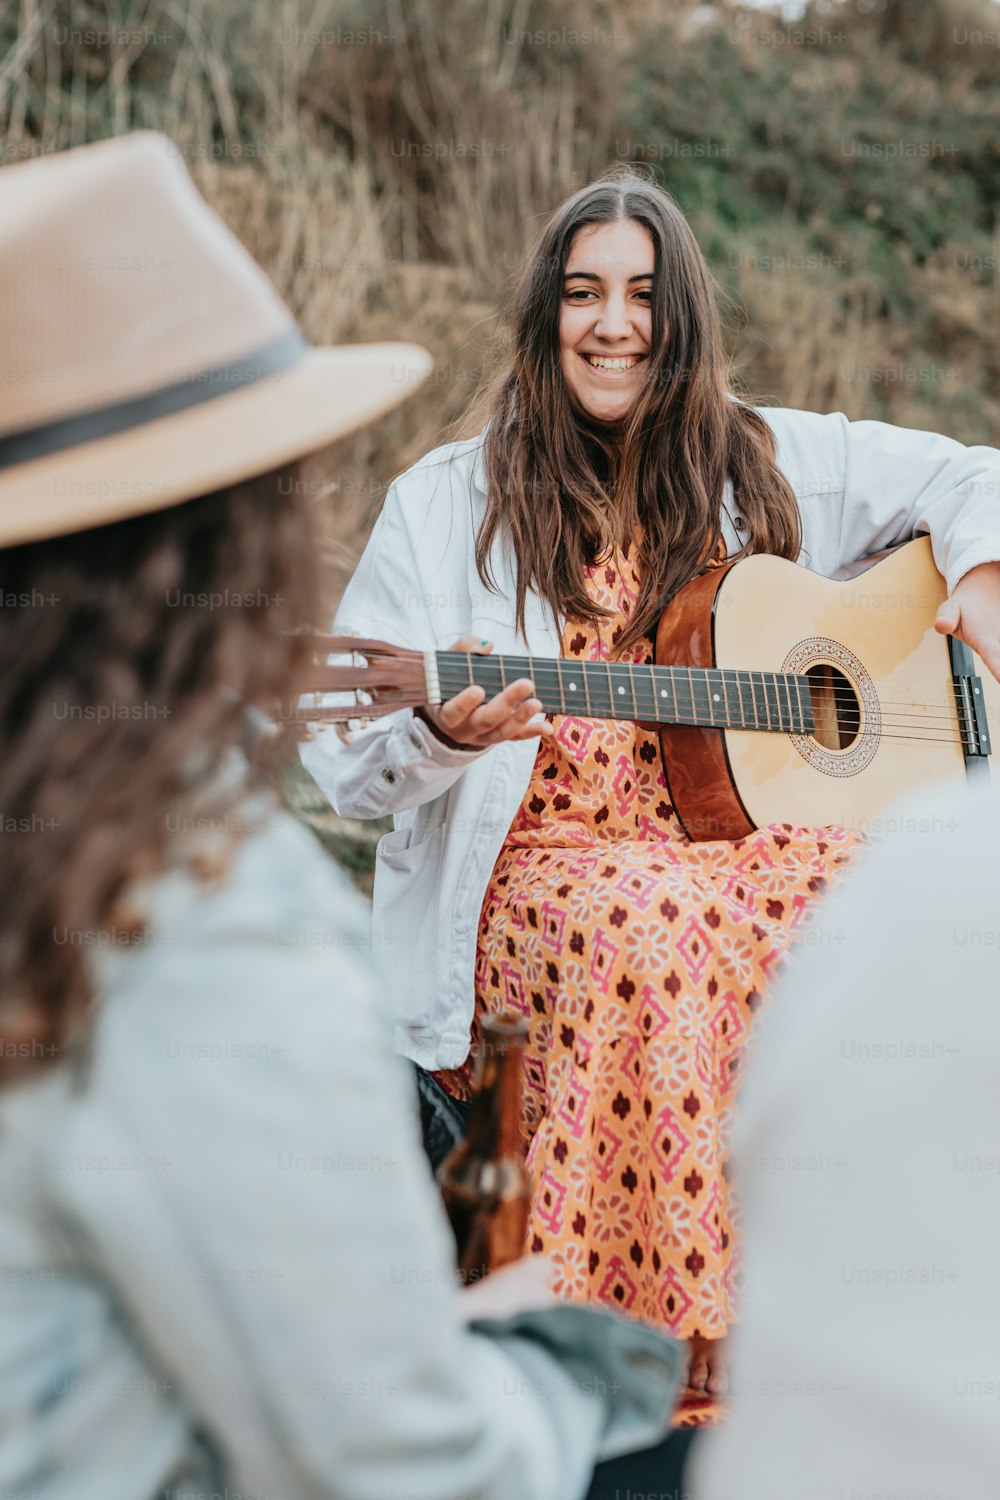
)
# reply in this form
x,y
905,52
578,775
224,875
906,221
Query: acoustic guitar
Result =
x,y
778,696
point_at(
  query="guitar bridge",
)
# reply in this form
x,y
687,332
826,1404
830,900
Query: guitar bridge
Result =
x,y
971,704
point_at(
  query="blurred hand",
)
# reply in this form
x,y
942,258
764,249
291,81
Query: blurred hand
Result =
x,y
523,1286
468,721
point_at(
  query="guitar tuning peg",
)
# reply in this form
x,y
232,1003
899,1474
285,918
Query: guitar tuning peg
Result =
x,y
348,728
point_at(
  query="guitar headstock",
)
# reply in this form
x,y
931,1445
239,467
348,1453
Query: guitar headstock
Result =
x,y
370,680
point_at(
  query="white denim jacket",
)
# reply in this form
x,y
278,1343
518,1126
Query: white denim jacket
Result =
x,y
861,487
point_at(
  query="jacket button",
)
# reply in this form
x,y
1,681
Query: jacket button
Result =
x,y
388,775
739,523
415,742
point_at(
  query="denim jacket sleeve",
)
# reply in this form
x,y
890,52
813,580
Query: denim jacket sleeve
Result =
x,y
290,1266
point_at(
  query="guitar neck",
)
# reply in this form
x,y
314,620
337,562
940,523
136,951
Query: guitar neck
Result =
x,y
703,697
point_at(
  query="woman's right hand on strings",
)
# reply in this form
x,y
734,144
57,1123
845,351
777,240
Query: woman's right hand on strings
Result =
x,y
469,722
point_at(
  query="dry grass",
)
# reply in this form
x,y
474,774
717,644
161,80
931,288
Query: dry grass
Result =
x,y
392,188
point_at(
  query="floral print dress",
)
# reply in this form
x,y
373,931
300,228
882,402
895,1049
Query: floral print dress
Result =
x,y
640,961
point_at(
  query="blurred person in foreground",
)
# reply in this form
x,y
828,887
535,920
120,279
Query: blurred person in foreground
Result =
x,y
868,1360
223,1267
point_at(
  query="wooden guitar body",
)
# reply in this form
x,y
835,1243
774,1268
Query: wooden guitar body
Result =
x,y
883,685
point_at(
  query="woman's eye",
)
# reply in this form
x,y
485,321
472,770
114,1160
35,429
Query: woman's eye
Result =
x,y
586,293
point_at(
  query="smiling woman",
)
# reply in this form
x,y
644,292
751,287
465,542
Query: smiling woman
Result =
x,y
542,868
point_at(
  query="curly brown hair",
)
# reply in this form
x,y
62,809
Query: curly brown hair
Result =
x,y
131,653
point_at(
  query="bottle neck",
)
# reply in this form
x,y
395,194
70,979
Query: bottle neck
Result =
x,y
495,1118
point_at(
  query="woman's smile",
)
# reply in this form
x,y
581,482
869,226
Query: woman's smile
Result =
x,y
619,364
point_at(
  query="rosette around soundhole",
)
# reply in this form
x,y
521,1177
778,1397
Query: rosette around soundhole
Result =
x,y
845,702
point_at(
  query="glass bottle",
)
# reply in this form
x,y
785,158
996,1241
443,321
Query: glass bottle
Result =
x,y
484,1184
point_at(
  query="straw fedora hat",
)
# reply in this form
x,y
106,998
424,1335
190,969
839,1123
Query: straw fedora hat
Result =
x,y
145,358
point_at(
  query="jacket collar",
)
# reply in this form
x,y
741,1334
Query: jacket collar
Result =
x,y
478,476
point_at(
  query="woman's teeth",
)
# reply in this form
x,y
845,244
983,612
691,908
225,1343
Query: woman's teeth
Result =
x,y
599,362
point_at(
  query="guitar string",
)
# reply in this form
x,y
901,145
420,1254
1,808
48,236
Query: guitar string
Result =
x,y
883,733
785,678
551,668
903,711
546,672
785,681
781,681
817,693
886,730
536,667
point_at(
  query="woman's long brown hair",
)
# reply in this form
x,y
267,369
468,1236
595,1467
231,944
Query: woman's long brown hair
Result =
x,y
561,493
131,653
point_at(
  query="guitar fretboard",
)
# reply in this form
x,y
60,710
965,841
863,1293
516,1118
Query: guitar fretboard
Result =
x,y
706,697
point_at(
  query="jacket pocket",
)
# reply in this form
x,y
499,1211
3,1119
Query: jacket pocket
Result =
x,y
394,843
405,923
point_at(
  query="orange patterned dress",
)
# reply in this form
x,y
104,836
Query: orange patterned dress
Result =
x,y
639,961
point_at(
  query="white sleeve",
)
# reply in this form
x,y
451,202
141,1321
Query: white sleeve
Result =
x,y
864,486
396,762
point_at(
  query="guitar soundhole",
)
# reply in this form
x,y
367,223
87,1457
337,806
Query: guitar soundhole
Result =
x,y
836,707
